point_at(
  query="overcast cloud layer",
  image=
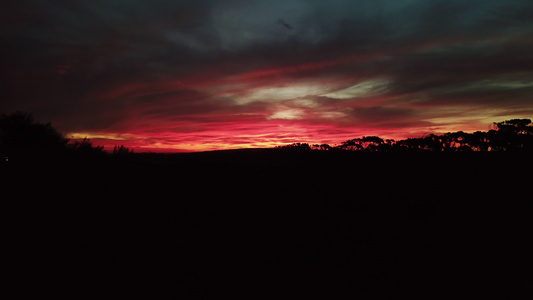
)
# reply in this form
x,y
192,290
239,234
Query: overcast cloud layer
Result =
x,y
198,75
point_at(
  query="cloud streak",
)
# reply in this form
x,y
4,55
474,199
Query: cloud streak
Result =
x,y
186,76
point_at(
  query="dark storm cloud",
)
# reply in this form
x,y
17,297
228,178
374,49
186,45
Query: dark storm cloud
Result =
x,y
100,64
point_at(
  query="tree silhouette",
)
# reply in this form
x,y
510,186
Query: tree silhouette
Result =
x,y
518,126
325,147
510,135
513,135
296,146
479,141
20,135
353,145
371,143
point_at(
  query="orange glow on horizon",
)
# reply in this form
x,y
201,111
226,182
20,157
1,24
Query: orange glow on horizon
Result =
x,y
273,133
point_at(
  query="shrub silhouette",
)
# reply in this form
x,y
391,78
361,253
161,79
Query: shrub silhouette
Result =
x,y
86,148
121,150
22,137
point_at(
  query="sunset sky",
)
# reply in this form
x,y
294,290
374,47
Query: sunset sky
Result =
x,y
179,75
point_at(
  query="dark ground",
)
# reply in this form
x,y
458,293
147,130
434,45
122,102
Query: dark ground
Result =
x,y
270,224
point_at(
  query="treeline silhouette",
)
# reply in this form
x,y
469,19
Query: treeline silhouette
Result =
x,y
509,135
21,136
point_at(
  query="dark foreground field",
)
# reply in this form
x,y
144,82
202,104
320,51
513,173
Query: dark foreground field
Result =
x,y
268,224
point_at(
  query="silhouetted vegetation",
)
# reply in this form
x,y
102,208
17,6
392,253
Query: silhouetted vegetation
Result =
x,y
20,134
511,135
86,148
121,150
432,218
23,138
